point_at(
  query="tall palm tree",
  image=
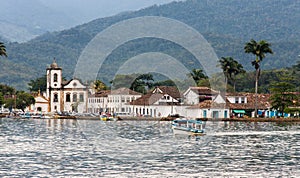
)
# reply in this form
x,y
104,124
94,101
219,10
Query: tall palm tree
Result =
x,y
2,50
230,68
259,49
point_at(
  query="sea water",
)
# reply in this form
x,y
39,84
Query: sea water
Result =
x,y
89,148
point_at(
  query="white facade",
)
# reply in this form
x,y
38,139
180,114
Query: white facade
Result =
x,y
114,101
237,99
41,105
65,96
97,103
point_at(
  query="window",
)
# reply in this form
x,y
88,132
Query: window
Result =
x,y
55,77
81,97
68,97
225,114
243,100
204,114
75,97
55,98
236,100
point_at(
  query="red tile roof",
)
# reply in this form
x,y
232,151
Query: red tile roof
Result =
x,y
156,94
204,91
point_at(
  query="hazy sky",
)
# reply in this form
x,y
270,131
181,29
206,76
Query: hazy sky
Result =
x,y
22,20
86,10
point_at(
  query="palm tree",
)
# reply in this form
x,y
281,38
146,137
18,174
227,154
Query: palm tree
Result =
x,y
230,68
197,75
259,49
2,50
237,68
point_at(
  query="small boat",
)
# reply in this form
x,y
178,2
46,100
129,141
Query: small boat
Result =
x,y
25,115
108,118
187,127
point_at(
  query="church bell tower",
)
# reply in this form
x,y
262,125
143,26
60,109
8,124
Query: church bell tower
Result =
x,y
54,85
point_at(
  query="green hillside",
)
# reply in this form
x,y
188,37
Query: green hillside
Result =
x,y
226,25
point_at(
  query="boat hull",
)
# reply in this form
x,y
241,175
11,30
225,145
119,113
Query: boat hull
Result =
x,y
187,127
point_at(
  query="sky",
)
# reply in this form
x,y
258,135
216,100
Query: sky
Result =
x,y
87,10
22,20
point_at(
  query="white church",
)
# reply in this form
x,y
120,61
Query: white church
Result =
x,y
61,96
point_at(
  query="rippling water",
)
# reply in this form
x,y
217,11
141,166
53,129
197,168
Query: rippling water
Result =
x,y
86,148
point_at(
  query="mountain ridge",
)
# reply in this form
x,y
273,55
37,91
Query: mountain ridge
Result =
x,y
223,24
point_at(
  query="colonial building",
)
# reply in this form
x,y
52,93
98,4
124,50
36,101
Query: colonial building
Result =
x,y
41,104
112,101
242,104
69,96
195,95
160,102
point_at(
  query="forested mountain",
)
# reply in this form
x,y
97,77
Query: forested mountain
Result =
x,y
226,25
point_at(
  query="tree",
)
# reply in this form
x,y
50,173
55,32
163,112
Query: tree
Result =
x,y
6,90
197,75
1,99
136,82
282,94
141,82
231,68
20,101
2,50
24,100
259,49
98,85
39,84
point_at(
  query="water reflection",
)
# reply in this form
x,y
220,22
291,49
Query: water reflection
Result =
x,y
73,148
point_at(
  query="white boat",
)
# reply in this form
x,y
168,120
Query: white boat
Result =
x,y
187,127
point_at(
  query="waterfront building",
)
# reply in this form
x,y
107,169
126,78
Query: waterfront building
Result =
x,y
112,101
65,96
159,102
205,103
243,104
41,104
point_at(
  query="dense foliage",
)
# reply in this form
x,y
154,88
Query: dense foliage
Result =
x,y
226,25
11,98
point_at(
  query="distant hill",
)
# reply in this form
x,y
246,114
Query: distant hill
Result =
x,y
227,25
23,20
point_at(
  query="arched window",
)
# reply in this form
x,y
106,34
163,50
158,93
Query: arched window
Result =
x,y
81,98
74,97
55,98
55,77
68,97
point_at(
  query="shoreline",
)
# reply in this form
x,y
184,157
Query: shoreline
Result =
x,y
171,119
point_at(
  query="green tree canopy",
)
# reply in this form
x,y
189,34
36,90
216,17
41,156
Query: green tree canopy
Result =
x,y
38,84
137,82
197,75
231,68
6,90
282,94
1,99
98,85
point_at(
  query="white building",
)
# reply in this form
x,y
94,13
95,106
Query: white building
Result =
x,y
113,101
205,103
70,96
160,102
41,104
